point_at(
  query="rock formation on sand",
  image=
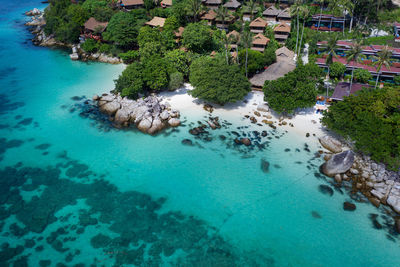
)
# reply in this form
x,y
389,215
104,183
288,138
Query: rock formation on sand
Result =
x,y
148,114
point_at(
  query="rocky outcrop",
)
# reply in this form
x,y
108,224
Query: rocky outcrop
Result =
x,y
148,114
331,144
338,163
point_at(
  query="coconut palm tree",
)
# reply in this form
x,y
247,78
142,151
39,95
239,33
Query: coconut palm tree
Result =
x,y
321,3
194,8
246,40
330,49
383,59
251,7
305,12
295,10
354,54
226,41
222,14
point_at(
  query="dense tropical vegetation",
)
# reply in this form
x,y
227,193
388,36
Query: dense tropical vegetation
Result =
x,y
372,120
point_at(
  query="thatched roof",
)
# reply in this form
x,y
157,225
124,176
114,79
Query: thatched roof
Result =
x,y
284,14
132,2
232,4
259,22
284,53
210,15
282,27
273,72
213,2
156,22
234,34
179,32
92,24
260,39
271,11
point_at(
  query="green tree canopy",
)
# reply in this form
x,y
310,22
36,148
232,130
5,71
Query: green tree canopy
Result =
x,y
362,75
337,70
297,89
198,38
216,81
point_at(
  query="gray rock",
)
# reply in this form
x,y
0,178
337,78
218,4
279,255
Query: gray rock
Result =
x,y
122,116
144,125
394,202
74,56
164,115
263,108
339,163
330,144
174,122
110,108
157,126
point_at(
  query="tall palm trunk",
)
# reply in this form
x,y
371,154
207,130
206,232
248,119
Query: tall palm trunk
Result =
x,y
247,52
352,75
377,79
320,15
297,39
301,39
351,21
237,54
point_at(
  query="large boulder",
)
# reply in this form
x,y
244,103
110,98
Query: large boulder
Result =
x,y
338,163
174,122
394,202
110,108
144,125
331,144
164,115
157,126
122,116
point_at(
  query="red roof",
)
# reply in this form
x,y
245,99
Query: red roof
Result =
x,y
370,68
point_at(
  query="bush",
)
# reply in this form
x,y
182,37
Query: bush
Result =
x,y
397,80
270,56
130,56
213,80
337,70
130,82
105,48
255,61
362,76
176,81
371,120
90,46
198,38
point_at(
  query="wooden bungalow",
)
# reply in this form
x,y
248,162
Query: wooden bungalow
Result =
x,y
281,32
259,43
213,4
232,5
343,89
326,22
209,17
166,3
234,35
271,13
284,16
156,22
258,25
247,15
396,30
94,28
131,4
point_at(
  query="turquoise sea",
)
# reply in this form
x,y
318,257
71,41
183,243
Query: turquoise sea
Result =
x,y
74,192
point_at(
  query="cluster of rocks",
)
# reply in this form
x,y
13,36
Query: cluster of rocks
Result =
x,y
379,185
148,114
37,24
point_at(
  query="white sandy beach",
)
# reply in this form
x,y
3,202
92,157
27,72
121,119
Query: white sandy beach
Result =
x,y
307,121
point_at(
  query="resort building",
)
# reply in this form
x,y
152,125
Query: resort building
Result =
x,y
284,16
131,4
258,25
213,4
271,14
326,22
282,32
343,89
166,3
259,43
232,5
234,36
247,15
209,17
94,28
156,22
396,30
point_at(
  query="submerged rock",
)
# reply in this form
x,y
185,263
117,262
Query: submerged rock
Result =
x,y
338,163
349,206
264,165
326,189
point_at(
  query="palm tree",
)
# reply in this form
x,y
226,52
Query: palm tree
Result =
x,y
226,40
222,14
251,7
194,8
331,47
383,58
305,13
354,54
321,3
246,40
296,10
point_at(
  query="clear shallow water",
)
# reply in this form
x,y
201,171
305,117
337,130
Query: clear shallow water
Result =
x,y
73,193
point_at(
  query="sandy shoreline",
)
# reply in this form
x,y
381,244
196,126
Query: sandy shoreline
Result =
x,y
306,121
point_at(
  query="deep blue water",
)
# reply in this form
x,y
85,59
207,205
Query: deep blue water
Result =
x,y
73,190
